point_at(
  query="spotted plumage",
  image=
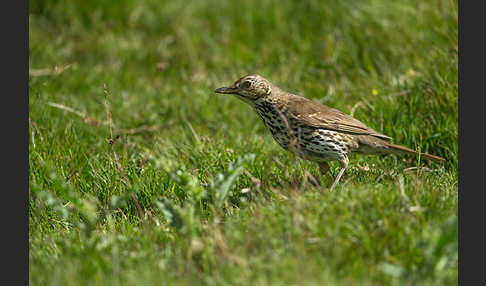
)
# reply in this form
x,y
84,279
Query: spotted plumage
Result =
x,y
309,129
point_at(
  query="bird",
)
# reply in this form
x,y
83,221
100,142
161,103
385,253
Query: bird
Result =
x,y
311,130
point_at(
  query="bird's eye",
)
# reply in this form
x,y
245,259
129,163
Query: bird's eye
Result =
x,y
245,84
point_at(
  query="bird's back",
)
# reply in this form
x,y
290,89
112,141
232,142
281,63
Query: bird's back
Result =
x,y
316,115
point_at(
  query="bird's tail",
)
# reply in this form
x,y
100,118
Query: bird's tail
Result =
x,y
401,149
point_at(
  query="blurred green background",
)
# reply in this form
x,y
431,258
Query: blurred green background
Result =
x,y
142,74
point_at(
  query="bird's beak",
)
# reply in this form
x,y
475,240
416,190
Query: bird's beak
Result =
x,y
226,90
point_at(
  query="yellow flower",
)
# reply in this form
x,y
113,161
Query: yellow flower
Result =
x,y
374,91
411,73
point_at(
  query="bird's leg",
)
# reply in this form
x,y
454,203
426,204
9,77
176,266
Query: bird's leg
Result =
x,y
344,165
323,167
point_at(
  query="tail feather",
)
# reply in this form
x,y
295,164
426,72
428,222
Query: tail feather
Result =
x,y
408,150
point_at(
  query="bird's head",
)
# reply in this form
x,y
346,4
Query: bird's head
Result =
x,y
248,88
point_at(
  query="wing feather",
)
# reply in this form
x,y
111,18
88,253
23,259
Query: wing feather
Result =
x,y
321,116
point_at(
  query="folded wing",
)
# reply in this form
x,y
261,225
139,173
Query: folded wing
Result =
x,y
320,116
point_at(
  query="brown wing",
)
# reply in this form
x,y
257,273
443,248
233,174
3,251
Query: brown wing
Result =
x,y
321,116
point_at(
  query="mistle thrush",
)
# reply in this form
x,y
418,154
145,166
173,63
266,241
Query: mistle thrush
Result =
x,y
311,130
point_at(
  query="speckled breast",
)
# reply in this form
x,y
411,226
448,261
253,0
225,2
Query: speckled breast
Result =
x,y
306,141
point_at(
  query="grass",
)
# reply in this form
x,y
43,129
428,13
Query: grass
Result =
x,y
141,174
